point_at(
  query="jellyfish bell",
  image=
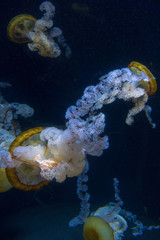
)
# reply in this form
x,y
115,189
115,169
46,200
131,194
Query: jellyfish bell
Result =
x,y
26,174
40,155
151,86
4,183
115,224
19,27
95,228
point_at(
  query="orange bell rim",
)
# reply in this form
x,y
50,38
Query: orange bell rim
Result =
x,y
14,22
152,80
12,173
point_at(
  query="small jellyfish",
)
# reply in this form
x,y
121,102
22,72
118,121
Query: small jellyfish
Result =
x,y
39,33
105,224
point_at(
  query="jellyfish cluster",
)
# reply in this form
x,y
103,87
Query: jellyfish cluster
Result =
x,y
39,155
57,154
31,159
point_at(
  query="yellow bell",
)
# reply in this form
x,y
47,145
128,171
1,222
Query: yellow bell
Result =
x,y
4,183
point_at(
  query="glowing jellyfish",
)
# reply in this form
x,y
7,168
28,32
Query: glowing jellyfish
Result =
x,y
26,174
19,27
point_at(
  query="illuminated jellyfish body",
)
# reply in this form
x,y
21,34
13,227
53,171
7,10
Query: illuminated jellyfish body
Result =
x,y
105,224
24,175
38,33
58,154
32,160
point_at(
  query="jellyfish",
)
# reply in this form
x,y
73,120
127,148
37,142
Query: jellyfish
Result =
x,y
39,33
150,88
110,222
105,223
58,154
